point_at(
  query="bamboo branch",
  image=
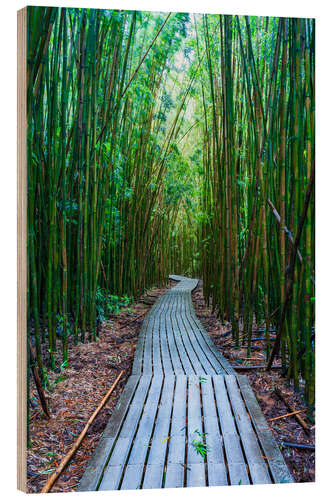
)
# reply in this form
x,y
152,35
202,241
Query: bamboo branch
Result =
x,y
292,269
144,56
285,415
38,383
286,230
291,409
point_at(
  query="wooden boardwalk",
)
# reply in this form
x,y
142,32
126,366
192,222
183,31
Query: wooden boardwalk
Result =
x,y
183,390
173,341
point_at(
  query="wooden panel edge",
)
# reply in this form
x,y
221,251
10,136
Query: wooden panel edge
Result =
x,y
21,250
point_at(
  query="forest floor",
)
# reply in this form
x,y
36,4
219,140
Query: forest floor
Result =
x,y
301,463
76,392
93,367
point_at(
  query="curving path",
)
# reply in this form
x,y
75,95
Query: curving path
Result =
x,y
183,390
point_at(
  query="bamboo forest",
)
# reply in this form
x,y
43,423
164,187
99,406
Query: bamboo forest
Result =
x,y
172,144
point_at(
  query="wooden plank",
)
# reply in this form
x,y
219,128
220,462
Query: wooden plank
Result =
x,y
153,477
252,448
199,361
214,441
208,398
256,461
194,419
176,443
241,416
160,442
143,435
257,464
212,427
218,363
124,445
259,473
176,277
210,349
195,475
192,364
135,408
238,474
198,355
233,449
217,475
174,476
162,430
175,358
121,407
232,445
176,453
166,360
252,404
111,478
276,464
94,469
138,358
157,361
149,345
184,283
147,366
166,403
208,341
132,477
214,444
120,451
226,418
280,472
177,336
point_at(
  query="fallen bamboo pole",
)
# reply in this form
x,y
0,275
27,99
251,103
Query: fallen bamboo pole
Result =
x,y
225,334
133,319
77,443
253,339
291,409
250,359
301,446
285,415
257,367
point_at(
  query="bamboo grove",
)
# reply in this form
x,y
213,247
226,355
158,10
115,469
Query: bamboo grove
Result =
x,y
258,154
97,219
163,143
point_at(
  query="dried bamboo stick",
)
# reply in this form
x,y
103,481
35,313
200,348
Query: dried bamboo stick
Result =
x,y
79,440
257,367
133,319
291,409
285,415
